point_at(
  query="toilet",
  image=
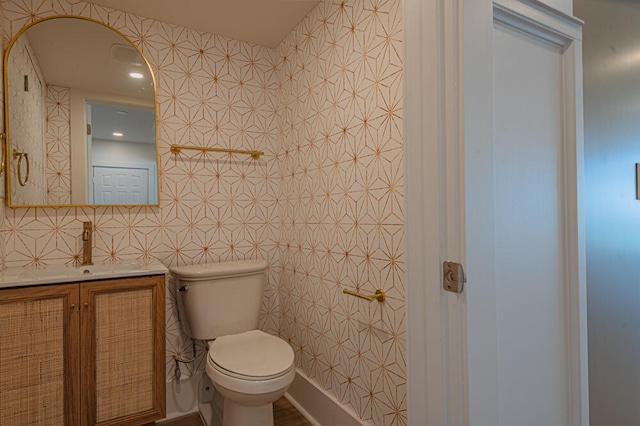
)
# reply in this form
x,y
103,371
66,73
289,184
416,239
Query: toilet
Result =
x,y
220,303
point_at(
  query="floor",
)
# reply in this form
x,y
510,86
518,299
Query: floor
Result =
x,y
284,414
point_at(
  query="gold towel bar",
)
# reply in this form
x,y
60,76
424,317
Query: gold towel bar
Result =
x,y
175,149
379,295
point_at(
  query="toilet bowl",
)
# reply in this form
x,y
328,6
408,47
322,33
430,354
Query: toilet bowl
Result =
x,y
220,303
251,370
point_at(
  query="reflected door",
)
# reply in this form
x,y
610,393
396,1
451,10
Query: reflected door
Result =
x,y
120,185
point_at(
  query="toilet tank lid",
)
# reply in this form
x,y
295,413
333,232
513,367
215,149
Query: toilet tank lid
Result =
x,y
219,269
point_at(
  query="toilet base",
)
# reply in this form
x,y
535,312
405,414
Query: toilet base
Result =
x,y
247,402
237,415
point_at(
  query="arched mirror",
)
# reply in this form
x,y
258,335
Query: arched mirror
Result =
x,y
80,117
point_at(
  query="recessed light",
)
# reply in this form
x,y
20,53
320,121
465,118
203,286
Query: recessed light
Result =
x,y
135,75
118,134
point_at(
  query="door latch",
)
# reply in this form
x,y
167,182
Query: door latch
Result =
x,y
453,277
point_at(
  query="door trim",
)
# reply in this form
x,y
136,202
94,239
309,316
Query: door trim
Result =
x,y
433,164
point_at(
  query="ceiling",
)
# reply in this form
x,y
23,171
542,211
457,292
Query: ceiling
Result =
x,y
263,22
80,54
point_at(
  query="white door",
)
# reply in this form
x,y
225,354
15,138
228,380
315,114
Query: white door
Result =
x,y
523,242
528,233
120,185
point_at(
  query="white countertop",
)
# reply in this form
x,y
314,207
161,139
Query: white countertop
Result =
x,y
57,274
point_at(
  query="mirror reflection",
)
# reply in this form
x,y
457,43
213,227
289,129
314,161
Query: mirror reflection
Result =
x,y
80,117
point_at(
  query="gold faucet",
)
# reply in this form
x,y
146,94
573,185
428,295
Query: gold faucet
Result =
x,y
87,243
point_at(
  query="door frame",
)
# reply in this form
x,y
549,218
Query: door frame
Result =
x,y
437,114
434,203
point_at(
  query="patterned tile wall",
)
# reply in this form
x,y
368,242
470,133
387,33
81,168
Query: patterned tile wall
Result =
x,y
341,197
324,205
58,141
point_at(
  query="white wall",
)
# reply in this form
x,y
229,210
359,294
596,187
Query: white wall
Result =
x,y
123,154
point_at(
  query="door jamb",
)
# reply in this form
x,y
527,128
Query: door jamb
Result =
x,y
433,158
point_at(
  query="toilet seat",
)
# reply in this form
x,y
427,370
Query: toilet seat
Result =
x,y
253,356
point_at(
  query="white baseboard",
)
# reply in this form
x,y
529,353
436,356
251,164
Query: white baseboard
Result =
x,y
320,408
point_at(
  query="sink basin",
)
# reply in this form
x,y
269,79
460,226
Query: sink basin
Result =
x,y
54,274
70,273
111,268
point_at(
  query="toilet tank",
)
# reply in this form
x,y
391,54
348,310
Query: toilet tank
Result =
x,y
218,299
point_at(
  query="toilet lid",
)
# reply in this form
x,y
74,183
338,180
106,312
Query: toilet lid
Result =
x,y
252,354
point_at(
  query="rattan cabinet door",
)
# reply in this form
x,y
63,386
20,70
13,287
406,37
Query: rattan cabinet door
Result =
x,y
123,352
39,378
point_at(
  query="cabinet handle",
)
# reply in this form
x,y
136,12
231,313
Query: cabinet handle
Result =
x,y
73,306
86,305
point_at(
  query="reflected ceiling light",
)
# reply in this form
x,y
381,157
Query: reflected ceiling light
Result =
x,y
118,134
120,112
135,75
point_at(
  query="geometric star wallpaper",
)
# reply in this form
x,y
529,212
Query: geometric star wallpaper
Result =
x,y
58,142
324,205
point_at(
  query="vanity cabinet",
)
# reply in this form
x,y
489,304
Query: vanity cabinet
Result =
x,y
39,356
89,353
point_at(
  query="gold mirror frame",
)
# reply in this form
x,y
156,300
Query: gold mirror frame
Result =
x,y
6,142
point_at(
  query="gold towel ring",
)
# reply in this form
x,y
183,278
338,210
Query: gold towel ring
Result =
x,y
20,156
